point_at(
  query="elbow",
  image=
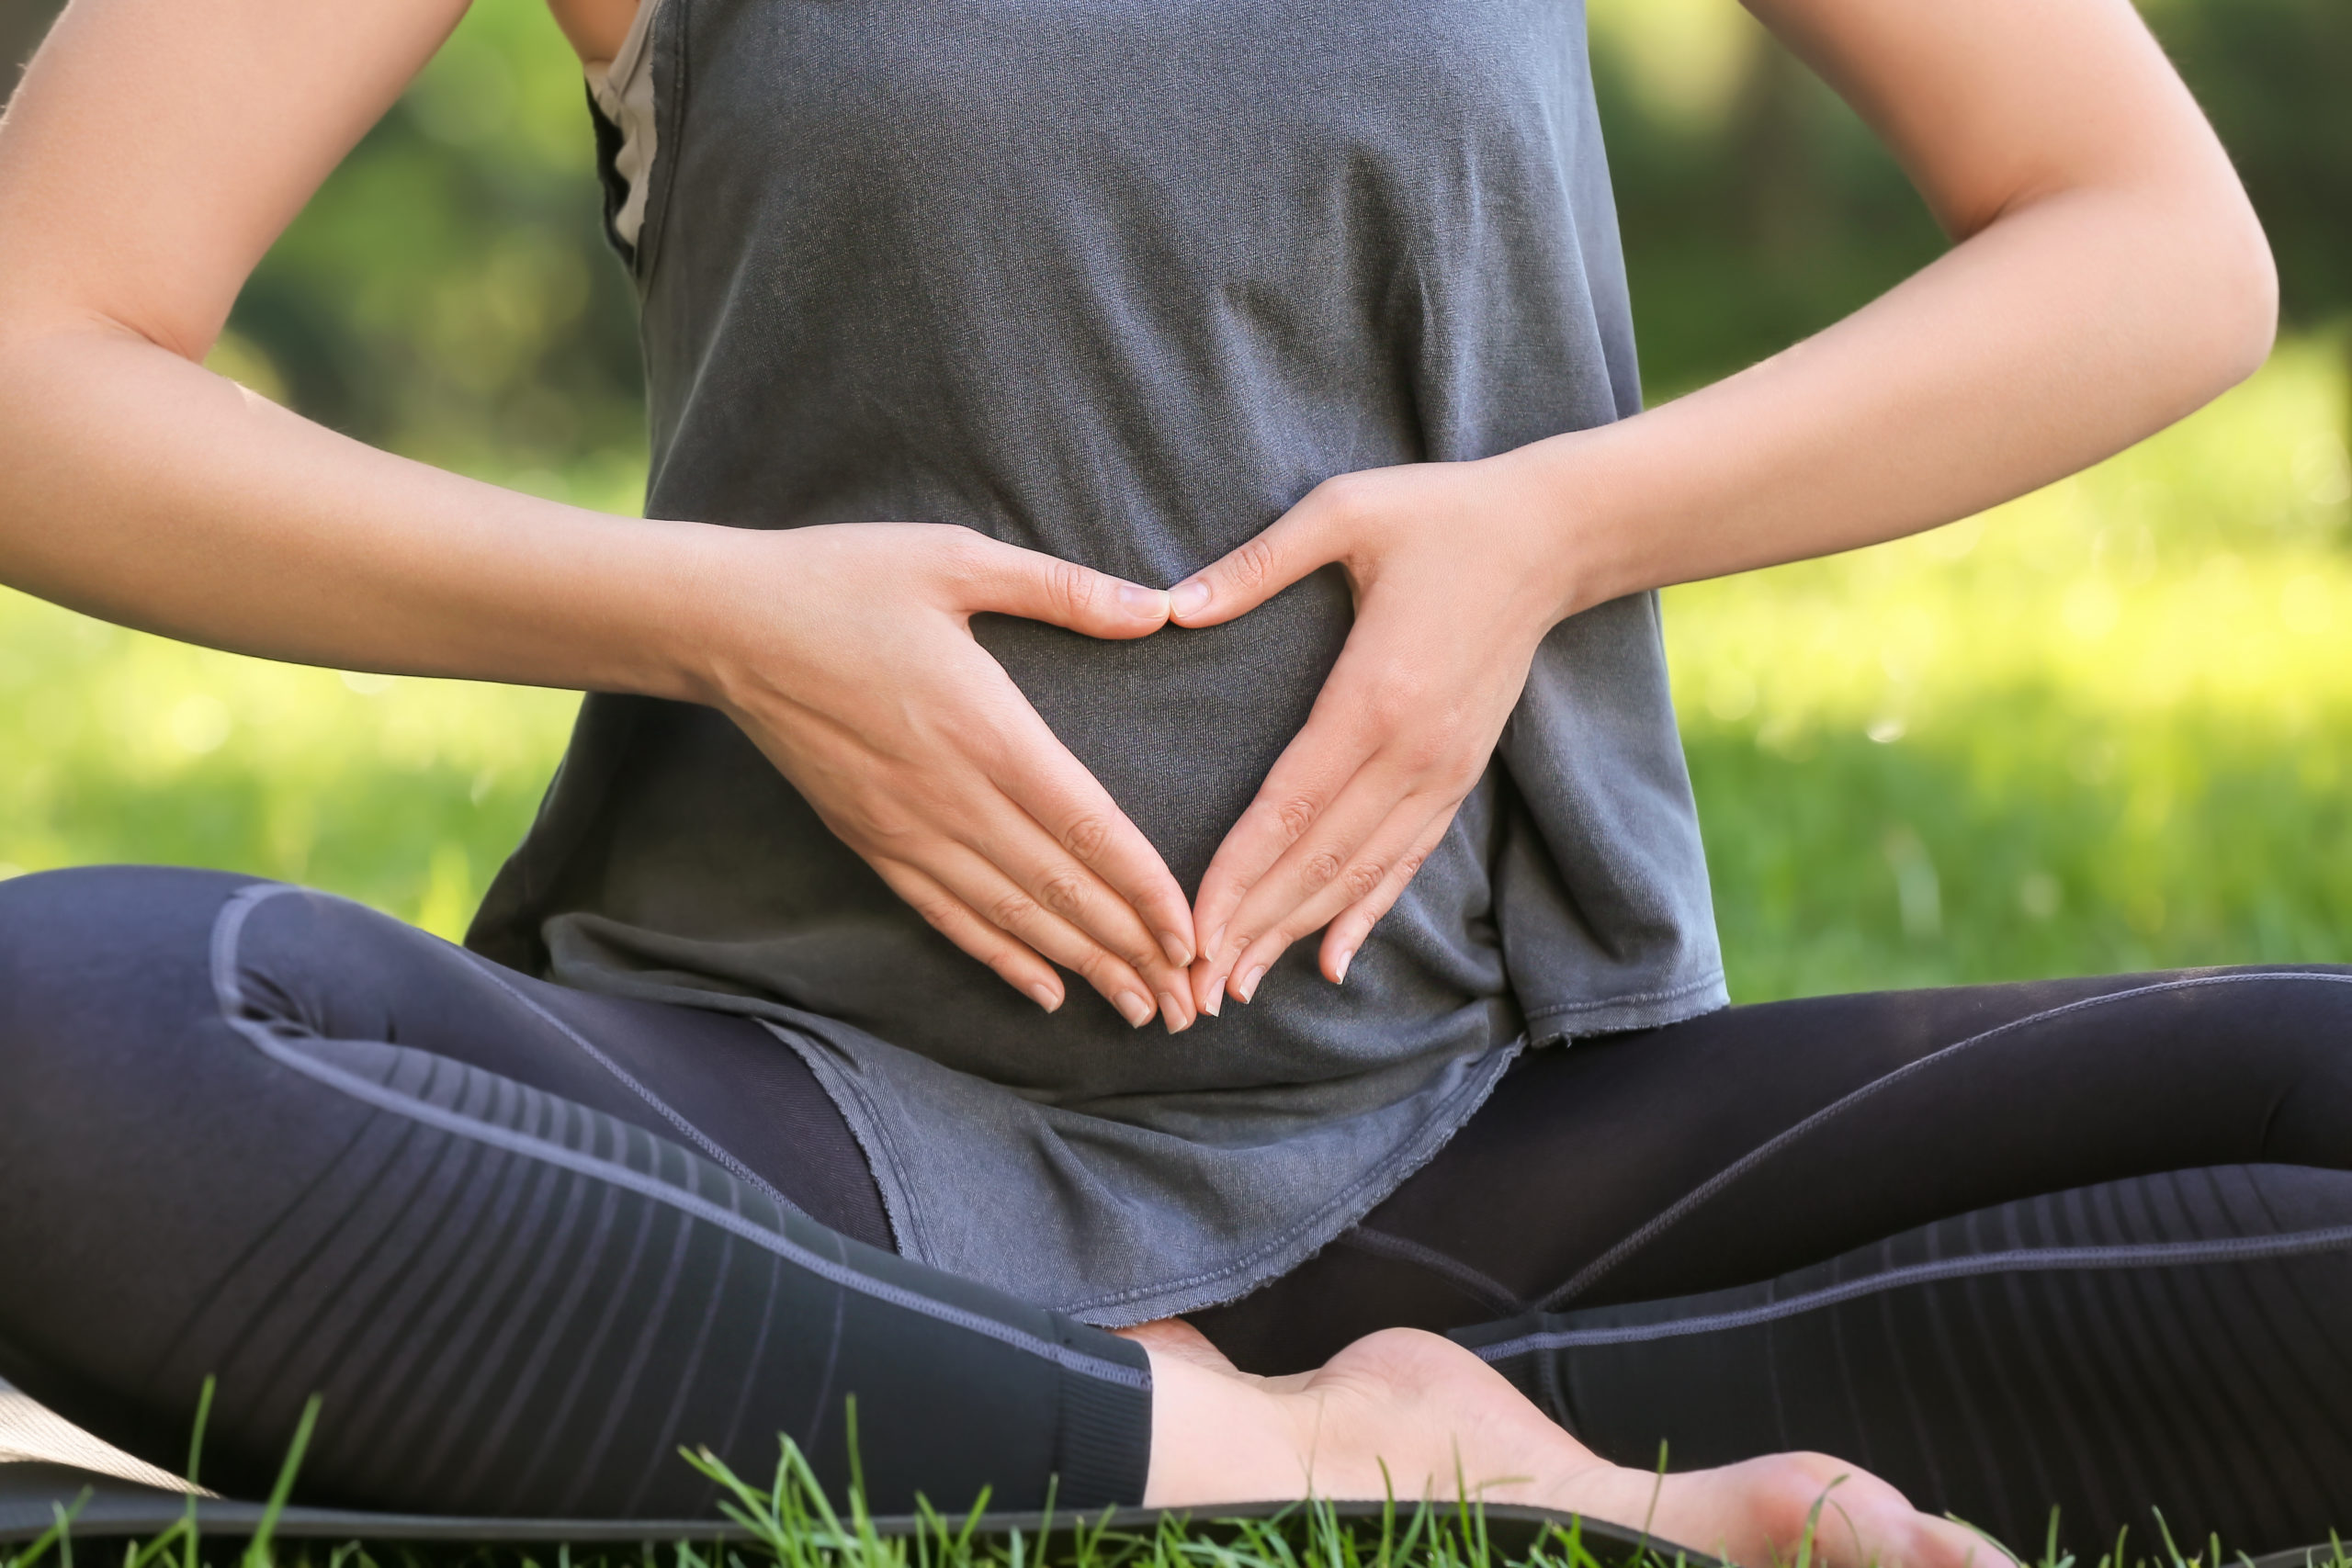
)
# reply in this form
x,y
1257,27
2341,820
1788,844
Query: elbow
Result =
x,y
2236,290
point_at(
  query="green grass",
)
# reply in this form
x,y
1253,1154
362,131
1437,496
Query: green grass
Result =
x,y
791,1523
2109,727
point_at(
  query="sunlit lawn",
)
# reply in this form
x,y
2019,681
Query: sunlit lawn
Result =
x,y
2108,727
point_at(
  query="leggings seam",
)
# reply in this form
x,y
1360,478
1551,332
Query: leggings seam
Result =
x,y
2150,1255
228,928
1490,1292
1658,1223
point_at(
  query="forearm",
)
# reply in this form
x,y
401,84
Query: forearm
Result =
x,y
2058,335
2110,277
136,486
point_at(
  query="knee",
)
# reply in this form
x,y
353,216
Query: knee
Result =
x,y
84,952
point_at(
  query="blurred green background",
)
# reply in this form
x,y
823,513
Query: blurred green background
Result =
x,y
2106,727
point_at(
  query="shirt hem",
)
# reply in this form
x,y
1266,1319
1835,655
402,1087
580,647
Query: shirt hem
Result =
x,y
1297,1243
1303,1240
1641,1010
866,1125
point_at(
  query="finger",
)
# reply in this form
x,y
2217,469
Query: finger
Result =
x,y
1039,775
1309,774
1004,578
1016,966
1323,854
1341,865
1254,571
1359,710
984,884
1344,937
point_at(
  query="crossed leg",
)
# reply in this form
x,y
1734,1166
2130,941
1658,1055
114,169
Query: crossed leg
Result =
x,y
2083,1244
520,1279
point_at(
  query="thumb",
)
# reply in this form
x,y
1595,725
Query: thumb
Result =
x,y
1251,573
1038,587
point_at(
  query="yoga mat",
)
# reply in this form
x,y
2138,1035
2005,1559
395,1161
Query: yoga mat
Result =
x,y
47,1463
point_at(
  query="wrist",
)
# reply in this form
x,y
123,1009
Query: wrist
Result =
x,y
682,592
1573,562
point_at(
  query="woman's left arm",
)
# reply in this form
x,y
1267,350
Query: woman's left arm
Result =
x,y
2109,278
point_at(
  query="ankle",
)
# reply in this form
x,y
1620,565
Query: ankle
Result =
x,y
1219,1437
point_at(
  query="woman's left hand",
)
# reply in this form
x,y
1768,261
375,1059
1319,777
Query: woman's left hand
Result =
x,y
1458,570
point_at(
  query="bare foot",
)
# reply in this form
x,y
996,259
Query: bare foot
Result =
x,y
1441,1420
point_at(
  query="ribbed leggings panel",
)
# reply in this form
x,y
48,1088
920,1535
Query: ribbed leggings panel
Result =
x,y
509,1302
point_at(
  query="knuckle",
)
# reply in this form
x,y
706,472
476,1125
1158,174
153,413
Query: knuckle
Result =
x,y
1296,815
937,913
964,555
1064,892
1253,565
1345,497
1426,750
1365,877
1071,587
1398,695
889,829
1318,870
1087,837
1011,911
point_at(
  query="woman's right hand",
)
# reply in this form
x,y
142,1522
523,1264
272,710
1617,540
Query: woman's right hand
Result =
x,y
845,652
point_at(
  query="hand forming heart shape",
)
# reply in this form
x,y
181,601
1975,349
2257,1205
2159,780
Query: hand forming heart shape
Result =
x,y
1457,576
919,752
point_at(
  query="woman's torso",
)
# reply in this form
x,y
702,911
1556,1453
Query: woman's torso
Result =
x,y
1120,284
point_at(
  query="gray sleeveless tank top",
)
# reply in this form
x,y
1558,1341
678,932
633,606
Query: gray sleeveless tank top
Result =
x,y
1121,282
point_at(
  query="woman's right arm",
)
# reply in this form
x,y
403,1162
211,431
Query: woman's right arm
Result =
x,y
153,153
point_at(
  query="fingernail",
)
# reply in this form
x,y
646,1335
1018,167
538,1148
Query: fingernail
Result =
x,y
1340,966
1045,996
1216,943
1170,1009
1215,1004
1179,953
1148,601
1187,597
1133,1008
1249,985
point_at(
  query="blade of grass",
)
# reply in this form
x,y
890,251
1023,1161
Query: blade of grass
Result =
x,y
257,1550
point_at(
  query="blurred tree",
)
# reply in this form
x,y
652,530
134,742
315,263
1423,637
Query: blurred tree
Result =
x,y
2276,76
1757,208
22,23
447,293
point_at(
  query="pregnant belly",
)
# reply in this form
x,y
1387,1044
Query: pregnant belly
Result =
x,y
710,873
1182,726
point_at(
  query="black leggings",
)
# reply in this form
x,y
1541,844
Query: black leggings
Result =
x,y
2082,1243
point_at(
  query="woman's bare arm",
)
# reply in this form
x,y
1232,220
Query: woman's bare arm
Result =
x,y
595,28
151,154
2109,277
153,151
